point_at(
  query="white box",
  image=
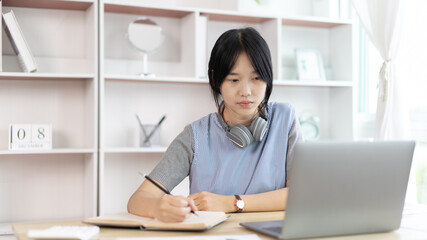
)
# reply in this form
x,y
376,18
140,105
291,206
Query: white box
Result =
x,y
30,136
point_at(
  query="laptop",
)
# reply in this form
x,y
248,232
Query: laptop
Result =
x,y
343,188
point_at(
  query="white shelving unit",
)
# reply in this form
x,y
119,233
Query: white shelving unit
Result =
x,y
181,91
91,97
60,183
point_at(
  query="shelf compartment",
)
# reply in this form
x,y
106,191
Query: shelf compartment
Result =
x,y
51,4
333,44
125,99
70,106
175,57
46,187
332,105
70,50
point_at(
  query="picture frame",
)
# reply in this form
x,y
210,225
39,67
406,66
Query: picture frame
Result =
x,y
309,65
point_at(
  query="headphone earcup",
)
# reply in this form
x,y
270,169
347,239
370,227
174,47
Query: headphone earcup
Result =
x,y
258,128
240,135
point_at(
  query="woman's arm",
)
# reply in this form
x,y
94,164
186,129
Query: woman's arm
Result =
x,y
150,201
267,201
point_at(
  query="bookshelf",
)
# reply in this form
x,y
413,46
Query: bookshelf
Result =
x,y
181,81
60,183
87,87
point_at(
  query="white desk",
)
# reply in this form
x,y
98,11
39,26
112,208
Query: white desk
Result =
x,y
230,227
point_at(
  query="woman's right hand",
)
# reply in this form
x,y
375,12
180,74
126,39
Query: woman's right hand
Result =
x,y
174,208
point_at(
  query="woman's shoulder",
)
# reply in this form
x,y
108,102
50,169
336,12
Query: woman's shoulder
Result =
x,y
204,120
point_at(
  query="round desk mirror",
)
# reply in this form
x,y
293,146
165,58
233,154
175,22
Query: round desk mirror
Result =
x,y
146,37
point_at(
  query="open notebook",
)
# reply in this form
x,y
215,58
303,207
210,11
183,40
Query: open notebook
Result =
x,y
204,221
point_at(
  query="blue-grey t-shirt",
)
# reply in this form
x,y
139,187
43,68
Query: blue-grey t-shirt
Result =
x,y
203,152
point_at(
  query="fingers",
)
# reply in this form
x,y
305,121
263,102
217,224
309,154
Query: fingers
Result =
x,y
207,201
193,197
178,201
174,208
201,200
192,205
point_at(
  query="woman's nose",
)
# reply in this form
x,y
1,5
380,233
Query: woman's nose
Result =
x,y
245,89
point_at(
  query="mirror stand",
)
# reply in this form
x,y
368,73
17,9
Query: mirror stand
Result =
x,y
145,72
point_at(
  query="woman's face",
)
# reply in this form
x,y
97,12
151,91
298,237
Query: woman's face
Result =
x,y
242,90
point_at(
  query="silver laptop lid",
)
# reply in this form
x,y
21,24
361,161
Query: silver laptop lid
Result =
x,y
340,188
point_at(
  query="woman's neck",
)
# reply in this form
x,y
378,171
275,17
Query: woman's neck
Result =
x,y
233,119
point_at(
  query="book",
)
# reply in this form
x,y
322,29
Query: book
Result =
x,y
1,48
204,220
17,40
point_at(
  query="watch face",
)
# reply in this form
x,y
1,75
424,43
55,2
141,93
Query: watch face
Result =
x,y
240,204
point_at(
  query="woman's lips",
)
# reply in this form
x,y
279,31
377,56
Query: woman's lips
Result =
x,y
245,104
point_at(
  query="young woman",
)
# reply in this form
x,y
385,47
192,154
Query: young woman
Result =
x,y
237,158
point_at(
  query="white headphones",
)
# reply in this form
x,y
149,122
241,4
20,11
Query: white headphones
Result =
x,y
241,135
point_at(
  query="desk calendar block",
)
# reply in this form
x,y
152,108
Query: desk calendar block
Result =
x,y
30,136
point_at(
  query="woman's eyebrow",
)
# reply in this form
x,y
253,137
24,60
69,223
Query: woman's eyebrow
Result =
x,y
234,73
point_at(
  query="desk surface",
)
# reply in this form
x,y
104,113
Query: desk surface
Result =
x,y
229,227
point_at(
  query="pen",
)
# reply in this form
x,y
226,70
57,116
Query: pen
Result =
x,y
160,187
141,126
154,129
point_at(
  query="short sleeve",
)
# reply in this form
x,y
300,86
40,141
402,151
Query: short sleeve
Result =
x,y
294,136
176,162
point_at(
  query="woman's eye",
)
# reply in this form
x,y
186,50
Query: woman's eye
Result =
x,y
258,78
233,80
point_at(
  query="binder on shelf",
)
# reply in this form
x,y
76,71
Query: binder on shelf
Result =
x,y
1,48
17,40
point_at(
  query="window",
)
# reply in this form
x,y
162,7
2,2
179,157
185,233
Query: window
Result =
x,y
412,71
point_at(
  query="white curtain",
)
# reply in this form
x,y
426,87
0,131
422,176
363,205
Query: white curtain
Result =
x,y
383,20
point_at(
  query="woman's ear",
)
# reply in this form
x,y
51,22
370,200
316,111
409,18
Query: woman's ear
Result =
x,y
211,73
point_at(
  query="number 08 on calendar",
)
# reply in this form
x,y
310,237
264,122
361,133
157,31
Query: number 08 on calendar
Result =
x,y
30,136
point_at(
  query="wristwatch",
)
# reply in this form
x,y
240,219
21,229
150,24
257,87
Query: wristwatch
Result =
x,y
239,204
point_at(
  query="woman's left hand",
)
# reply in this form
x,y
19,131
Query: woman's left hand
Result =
x,y
206,201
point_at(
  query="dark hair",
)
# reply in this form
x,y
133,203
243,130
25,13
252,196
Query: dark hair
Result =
x,y
226,51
